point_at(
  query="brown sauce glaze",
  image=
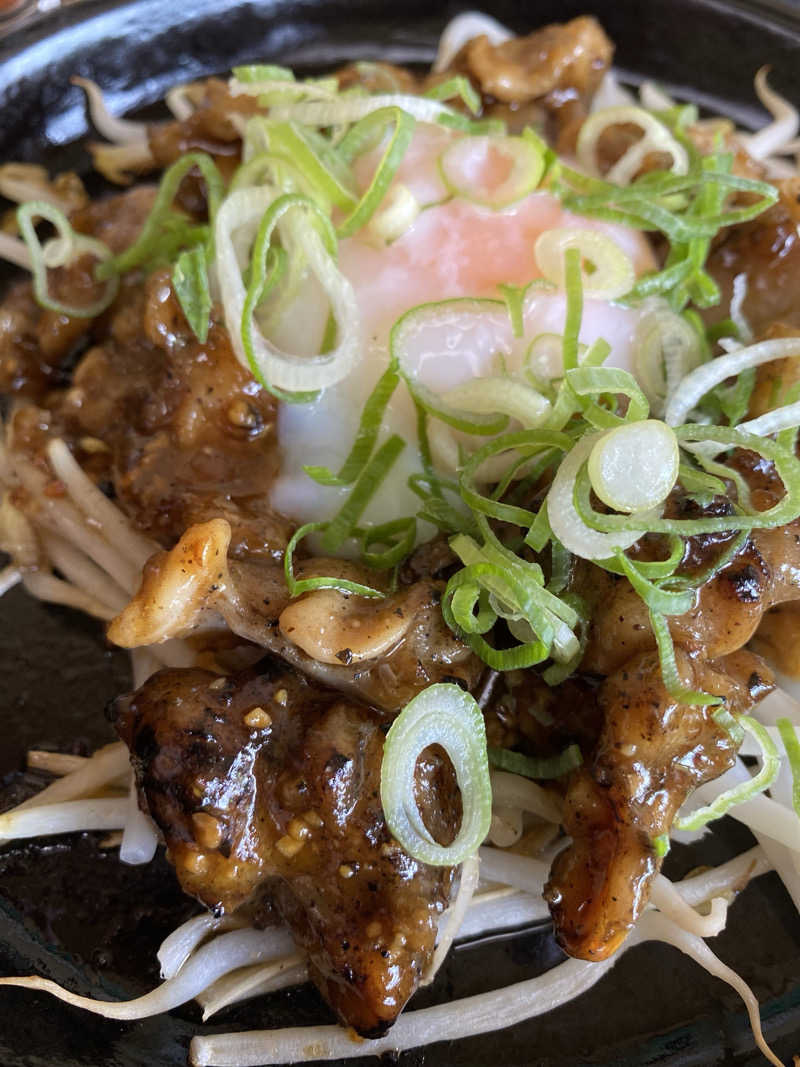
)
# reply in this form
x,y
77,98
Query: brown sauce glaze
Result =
x,y
266,789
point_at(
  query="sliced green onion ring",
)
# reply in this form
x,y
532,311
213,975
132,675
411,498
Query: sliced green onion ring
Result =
x,y
460,166
58,252
276,89
587,382
787,467
566,523
656,137
348,109
783,418
467,611
399,535
613,274
635,466
443,715
258,72
456,88
533,442
659,600
151,239
745,790
443,321
287,142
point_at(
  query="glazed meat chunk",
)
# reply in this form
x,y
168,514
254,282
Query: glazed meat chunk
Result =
x,y
653,751
551,74
266,789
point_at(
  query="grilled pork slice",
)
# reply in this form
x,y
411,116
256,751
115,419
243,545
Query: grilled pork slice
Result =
x,y
266,789
652,752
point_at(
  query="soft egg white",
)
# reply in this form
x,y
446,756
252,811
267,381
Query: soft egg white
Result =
x,y
454,248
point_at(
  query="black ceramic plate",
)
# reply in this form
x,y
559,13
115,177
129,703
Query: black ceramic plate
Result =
x,y
70,911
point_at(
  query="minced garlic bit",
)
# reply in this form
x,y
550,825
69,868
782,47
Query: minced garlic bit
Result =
x,y
207,830
289,846
257,719
298,829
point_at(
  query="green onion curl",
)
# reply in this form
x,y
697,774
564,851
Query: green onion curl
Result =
x,y
536,766
59,252
745,790
360,138
366,436
343,523
297,586
792,746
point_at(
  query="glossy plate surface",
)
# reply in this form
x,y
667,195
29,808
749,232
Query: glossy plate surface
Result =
x,y
72,912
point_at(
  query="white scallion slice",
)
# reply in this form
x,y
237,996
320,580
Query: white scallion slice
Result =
x,y
566,523
634,467
397,212
436,343
655,138
442,715
346,109
707,376
607,272
487,396
666,349
243,209
783,418
492,171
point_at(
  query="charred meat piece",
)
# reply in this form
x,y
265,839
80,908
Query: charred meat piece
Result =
x,y
38,346
553,72
209,128
179,429
266,789
652,752
728,608
767,252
